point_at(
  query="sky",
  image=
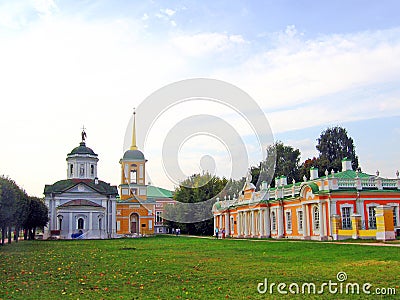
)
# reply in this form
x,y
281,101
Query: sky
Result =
x,y
307,64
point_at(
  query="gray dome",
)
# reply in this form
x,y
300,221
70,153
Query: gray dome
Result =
x,y
134,155
82,149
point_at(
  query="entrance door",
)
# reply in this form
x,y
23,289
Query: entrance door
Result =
x,y
134,223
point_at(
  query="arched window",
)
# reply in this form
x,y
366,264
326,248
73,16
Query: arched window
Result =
x,y
133,173
71,169
60,223
273,220
316,217
99,224
81,223
92,170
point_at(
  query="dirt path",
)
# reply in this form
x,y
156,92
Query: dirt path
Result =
x,y
379,244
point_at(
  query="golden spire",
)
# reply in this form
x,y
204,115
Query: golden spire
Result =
x,y
133,146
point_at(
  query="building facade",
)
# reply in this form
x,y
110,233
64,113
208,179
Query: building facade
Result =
x,y
347,204
81,206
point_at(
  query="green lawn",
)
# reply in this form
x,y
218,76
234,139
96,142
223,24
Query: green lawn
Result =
x,y
186,268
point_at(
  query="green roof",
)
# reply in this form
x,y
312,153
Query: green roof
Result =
x,y
82,149
63,185
157,192
350,174
314,187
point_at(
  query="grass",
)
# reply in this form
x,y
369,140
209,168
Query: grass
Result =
x,y
185,268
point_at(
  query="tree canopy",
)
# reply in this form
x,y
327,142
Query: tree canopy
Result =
x,y
19,211
333,145
195,189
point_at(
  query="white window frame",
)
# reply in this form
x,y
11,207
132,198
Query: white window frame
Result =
x,y
273,221
300,220
350,207
288,219
316,225
368,206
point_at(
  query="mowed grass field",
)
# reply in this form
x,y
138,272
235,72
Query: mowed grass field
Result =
x,y
171,267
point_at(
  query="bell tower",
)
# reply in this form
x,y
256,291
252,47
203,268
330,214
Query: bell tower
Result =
x,y
133,170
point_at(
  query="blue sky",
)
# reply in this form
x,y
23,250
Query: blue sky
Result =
x,y
308,65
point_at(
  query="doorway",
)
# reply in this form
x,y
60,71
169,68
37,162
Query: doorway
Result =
x,y
134,221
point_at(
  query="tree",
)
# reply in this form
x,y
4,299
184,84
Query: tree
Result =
x,y
287,162
333,145
37,216
195,189
305,167
8,206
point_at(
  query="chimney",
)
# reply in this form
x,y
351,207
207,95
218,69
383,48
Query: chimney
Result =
x,y
313,173
346,164
96,180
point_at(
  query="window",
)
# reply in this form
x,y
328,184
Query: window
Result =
x,y
371,217
288,220
346,220
158,217
71,169
133,173
394,216
316,217
273,220
81,170
100,224
300,220
92,170
81,223
59,223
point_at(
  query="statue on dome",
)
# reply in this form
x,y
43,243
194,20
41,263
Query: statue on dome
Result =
x,y
83,134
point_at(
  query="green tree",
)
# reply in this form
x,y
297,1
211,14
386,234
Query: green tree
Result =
x,y
287,162
334,144
195,189
305,167
37,216
8,207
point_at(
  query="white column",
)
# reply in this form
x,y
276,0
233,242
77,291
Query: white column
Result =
x,y
238,220
253,233
227,229
305,221
245,224
215,224
267,220
280,221
321,220
90,227
260,220
70,225
220,222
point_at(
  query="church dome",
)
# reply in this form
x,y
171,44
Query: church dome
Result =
x,y
134,154
82,149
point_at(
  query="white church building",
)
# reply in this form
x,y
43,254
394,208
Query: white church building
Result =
x,y
81,206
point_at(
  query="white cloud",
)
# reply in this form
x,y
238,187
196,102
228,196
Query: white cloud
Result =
x,y
292,74
169,12
202,44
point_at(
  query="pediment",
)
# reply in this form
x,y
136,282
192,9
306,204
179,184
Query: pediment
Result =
x,y
81,188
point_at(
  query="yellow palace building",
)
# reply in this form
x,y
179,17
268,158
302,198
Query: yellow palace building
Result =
x,y
343,205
